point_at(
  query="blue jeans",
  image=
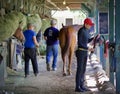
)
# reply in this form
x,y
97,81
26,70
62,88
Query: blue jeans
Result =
x,y
52,50
81,68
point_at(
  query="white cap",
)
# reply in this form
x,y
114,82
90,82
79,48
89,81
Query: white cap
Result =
x,y
53,22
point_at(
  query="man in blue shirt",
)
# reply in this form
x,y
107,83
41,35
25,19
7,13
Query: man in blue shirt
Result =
x,y
81,54
30,49
51,36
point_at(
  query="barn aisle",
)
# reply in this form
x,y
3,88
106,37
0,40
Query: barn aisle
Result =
x,y
47,82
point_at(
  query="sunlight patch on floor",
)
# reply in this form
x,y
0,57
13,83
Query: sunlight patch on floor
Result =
x,y
91,83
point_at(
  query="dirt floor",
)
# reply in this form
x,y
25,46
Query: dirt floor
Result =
x,y
46,82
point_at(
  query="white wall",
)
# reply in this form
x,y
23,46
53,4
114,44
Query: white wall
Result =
x,y
61,16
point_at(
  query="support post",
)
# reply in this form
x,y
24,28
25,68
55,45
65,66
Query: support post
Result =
x,y
111,38
3,66
117,48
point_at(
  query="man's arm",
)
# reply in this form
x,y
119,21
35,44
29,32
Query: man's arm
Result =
x,y
35,41
89,40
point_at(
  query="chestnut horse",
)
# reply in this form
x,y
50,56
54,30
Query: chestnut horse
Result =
x,y
68,40
18,34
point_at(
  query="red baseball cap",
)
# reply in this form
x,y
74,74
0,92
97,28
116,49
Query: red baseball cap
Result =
x,y
88,21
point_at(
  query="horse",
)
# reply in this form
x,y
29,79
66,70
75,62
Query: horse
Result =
x,y
16,48
68,41
18,34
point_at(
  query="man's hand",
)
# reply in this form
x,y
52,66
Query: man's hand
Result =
x,y
35,41
91,49
37,45
45,37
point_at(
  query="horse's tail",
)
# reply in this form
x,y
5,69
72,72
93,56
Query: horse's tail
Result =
x,y
67,41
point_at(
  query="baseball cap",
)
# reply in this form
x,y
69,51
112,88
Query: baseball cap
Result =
x,y
88,21
53,22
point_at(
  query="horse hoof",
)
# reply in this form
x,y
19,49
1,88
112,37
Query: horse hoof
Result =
x,y
64,74
69,74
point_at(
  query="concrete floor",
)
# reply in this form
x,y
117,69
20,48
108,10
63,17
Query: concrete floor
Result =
x,y
46,82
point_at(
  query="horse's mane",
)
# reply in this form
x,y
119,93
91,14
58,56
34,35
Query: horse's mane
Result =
x,y
70,25
75,26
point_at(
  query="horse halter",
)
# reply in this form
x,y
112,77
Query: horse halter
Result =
x,y
98,39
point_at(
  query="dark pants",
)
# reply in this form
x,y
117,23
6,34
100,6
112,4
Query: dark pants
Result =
x,y
30,53
81,68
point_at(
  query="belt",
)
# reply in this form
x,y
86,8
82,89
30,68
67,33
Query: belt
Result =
x,y
29,48
82,49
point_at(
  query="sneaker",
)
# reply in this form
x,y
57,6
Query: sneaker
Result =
x,y
26,75
35,74
54,69
79,90
85,88
48,67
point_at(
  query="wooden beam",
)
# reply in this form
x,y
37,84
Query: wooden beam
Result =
x,y
52,3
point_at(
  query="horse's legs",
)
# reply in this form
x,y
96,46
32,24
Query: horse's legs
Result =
x,y
70,62
64,67
64,64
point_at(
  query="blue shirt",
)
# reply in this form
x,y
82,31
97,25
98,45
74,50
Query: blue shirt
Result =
x,y
29,34
83,37
52,34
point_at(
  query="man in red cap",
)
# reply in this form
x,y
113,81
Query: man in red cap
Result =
x,y
81,55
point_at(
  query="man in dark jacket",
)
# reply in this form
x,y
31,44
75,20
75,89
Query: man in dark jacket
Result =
x,y
51,36
81,54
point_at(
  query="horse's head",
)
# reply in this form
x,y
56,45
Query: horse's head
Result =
x,y
19,34
98,40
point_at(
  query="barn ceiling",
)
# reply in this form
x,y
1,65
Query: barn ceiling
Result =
x,y
44,7
87,5
71,4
